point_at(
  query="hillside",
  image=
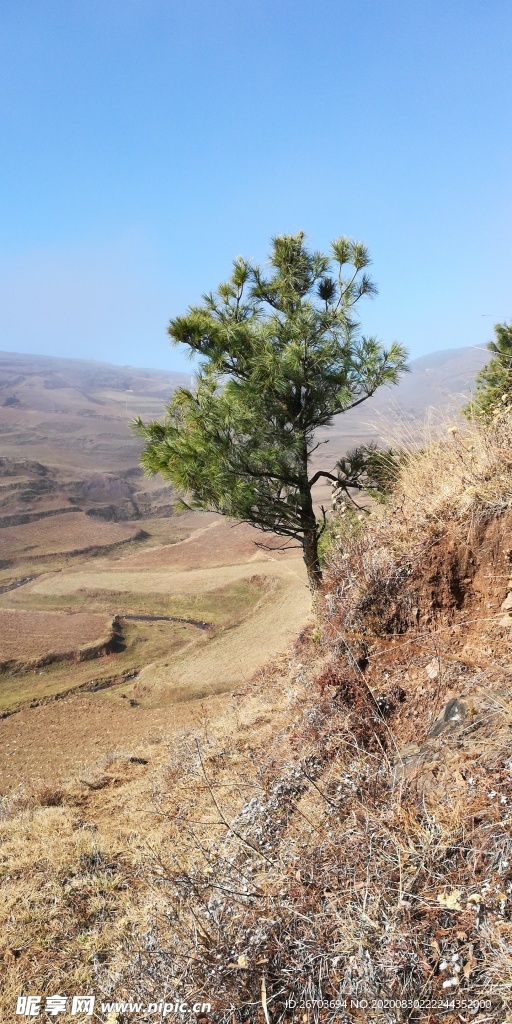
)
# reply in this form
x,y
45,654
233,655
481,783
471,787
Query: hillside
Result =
x,y
194,606
331,841
440,381
65,436
75,414
66,447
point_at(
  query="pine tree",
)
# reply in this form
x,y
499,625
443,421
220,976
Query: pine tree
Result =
x,y
281,355
493,386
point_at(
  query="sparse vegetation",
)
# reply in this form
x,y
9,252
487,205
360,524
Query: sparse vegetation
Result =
x,y
223,606
493,386
342,834
355,866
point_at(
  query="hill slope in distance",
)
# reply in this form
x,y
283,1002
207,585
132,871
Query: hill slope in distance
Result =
x,y
72,416
75,413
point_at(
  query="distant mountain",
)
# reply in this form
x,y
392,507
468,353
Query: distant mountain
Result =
x,y
73,415
65,439
19,372
441,382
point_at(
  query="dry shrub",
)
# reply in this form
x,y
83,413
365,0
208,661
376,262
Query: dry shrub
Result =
x,y
49,796
412,558
349,692
327,874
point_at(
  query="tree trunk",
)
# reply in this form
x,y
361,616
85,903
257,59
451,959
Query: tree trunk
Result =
x,y
309,526
310,549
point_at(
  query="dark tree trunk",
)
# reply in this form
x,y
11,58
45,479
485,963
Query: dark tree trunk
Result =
x,y
309,525
310,538
310,548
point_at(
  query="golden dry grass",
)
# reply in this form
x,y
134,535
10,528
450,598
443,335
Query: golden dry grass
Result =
x,y
331,830
456,470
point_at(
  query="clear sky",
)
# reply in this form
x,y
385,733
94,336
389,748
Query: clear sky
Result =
x,y
145,143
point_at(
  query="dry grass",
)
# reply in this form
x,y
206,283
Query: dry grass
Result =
x,y
341,865
339,846
459,471
318,871
415,559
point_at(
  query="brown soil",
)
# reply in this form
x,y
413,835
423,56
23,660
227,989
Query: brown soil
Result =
x,y
69,736
215,542
26,636
445,632
63,534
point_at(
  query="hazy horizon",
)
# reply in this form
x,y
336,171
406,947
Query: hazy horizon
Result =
x,y
191,367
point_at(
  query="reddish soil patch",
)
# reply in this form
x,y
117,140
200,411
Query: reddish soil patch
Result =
x,y
440,631
63,534
26,635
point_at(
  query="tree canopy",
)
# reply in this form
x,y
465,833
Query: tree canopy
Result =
x,y
493,386
281,355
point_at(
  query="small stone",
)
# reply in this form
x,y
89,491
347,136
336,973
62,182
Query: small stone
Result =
x,y
505,621
507,604
433,668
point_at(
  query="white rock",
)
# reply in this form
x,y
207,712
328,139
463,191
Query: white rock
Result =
x,y
433,668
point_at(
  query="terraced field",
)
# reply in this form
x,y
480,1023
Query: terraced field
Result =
x,y
27,636
85,539
65,533
200,608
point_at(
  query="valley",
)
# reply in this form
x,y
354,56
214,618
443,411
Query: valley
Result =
x,y
118,615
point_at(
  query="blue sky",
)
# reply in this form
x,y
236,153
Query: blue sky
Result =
x,y
145,143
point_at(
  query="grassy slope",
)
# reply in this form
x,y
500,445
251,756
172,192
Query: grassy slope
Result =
x,y
234,584
144,643
342,828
